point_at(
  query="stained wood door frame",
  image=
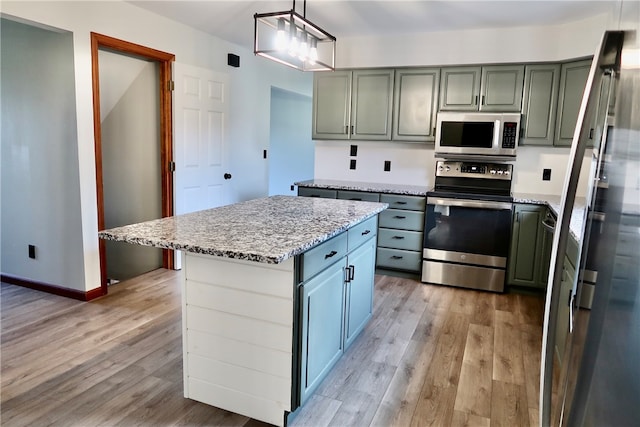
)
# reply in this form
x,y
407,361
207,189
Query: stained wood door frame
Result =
x,y
164,61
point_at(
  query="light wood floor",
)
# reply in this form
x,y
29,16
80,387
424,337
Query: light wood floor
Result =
x,y
431,355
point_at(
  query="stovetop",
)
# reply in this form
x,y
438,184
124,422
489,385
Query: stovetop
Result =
x,y
473,180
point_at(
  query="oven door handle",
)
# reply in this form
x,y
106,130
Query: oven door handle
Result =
x,y
466,203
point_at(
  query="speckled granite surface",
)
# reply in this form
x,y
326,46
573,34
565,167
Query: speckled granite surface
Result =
x,y
330,184
267,230
554,202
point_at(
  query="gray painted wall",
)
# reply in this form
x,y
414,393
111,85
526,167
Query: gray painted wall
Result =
x,y
40,187
291,150
131,163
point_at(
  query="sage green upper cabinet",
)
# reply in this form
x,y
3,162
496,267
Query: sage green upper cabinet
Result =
x,y
541,82
488,88
353,104
501,88
331,105
459,88
371,101
573,79
415,104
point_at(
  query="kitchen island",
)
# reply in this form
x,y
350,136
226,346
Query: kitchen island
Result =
x,y
274,290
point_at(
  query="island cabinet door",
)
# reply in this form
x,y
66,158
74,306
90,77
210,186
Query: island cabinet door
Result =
x,y
322,312
360,271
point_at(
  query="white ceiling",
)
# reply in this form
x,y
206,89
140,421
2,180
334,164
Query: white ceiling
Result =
x,y
233,20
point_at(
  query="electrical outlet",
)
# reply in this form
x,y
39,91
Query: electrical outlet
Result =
x,y
32,252
354,151
352,164
293,188
546,174
387,165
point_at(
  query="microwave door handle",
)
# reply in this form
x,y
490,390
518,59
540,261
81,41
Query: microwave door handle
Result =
x,y
464,203
497,142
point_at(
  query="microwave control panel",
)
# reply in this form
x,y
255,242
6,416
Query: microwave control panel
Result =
x,y
510,135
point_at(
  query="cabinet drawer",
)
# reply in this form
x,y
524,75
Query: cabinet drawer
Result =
x,y
401,219
317,192
359,195
410,203
399,259
400,239
322,256
360,233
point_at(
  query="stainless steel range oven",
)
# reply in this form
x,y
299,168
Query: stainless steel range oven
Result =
x,y
468,225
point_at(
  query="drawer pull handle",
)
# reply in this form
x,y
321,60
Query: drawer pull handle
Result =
x,y
400,217
330,254
400,203
365,232
357,199
398,237
396,257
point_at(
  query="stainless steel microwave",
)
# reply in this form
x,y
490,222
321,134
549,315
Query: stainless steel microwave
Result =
x,y
477,134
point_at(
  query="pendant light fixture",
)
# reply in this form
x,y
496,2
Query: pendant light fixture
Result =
x,y
290,39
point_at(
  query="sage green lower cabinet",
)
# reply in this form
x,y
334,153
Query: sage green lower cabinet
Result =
x,y
322,308
359,292
525,258
400,228
401,233
336,302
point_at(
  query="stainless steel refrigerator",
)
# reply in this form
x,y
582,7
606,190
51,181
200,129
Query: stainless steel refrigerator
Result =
x,y
596,381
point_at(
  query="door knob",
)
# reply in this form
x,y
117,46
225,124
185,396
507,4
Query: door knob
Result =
x,y
227,176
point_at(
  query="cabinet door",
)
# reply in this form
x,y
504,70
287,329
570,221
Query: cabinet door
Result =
x,y
372,101
322,300
541,84
459,88
331,105
501,88
526,246
416,104
573,79
361,265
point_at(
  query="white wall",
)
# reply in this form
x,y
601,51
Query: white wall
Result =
x,y
414,163
40,193
250,92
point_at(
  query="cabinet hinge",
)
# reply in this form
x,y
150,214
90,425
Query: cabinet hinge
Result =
x,y
171,85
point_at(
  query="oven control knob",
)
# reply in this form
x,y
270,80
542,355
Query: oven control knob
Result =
x,y
506,173
447,168
492,171
500,172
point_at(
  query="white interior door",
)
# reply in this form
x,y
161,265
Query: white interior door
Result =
x,y
200,121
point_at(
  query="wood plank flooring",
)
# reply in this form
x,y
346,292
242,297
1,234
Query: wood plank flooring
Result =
x,y
431,355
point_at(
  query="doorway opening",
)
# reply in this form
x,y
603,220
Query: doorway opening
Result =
x,y
162,162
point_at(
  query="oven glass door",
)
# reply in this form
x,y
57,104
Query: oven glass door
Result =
x,y
468,226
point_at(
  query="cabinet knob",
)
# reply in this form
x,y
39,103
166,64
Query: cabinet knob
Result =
x,y
365,232
227,176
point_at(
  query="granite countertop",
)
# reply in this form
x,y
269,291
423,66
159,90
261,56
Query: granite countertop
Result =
x,y
554,202
330,184
268,230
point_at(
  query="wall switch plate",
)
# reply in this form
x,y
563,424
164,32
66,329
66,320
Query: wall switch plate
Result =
x,y
354,150
32,252
293,188
387,165
546,174
352,164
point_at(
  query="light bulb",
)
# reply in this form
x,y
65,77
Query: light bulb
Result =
x,y
293,41
313,52
303,50
281,38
